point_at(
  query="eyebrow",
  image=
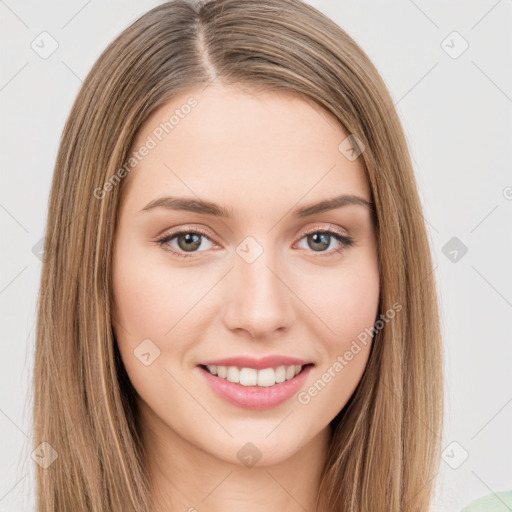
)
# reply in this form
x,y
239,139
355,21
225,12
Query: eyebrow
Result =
x,y
209,208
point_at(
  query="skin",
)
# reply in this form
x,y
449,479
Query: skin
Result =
x,y
262,156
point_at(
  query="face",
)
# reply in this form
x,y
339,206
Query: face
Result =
x,y
192,286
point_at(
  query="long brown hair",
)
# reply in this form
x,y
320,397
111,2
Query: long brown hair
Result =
x,y
385,444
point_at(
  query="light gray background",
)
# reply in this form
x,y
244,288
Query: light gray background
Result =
x,y
457,116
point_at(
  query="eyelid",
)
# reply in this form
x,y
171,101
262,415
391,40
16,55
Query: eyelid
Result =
x,y
330,227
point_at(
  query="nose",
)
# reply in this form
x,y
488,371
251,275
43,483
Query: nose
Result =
x,y
258,300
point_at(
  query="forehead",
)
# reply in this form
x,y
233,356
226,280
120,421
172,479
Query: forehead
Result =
x,y
234,145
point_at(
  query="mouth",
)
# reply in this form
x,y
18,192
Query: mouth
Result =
x,y
252,377
252,388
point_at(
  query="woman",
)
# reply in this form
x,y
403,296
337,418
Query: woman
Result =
x,y
237,305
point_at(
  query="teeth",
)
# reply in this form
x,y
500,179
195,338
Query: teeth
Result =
x,y
233,374
267,377
212,369
252,377
248,377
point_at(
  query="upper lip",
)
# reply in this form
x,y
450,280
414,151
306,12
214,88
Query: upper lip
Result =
x,y
259,364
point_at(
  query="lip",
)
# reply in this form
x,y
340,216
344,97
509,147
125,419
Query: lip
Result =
x,y
255,397
258,364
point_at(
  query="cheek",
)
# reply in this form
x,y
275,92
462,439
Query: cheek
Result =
x,y
141,310
356,307
344,301
148,306
346,348
153,302
143,304
149,299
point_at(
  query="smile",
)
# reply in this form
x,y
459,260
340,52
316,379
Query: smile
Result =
x,y
265,377
255,389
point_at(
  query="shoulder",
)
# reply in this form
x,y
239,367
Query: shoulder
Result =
x,y
496,502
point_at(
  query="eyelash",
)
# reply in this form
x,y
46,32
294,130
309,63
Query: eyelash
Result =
x,y
343,239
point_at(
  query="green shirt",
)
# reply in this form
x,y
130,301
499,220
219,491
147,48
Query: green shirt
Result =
x,y
497,502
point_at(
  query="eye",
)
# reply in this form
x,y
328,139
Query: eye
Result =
x,y
188,241
321,239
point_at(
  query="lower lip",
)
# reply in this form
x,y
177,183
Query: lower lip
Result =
x,y
255,397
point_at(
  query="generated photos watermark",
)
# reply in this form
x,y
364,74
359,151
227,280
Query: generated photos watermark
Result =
x,y
363,338
150,143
